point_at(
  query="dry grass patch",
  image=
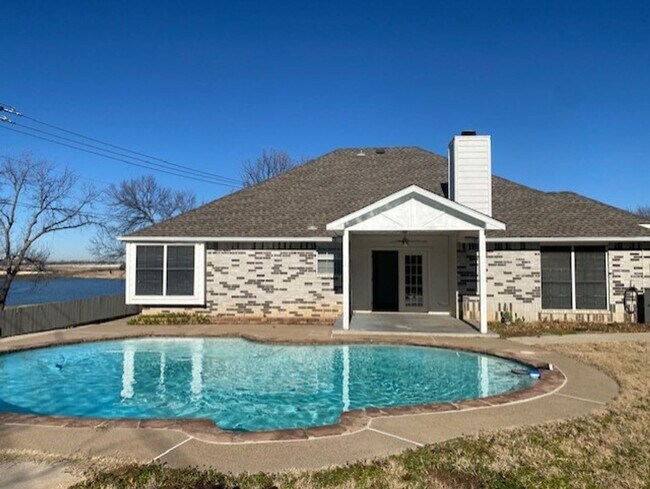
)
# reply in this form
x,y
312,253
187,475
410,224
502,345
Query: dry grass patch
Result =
x,y
609,448
540,328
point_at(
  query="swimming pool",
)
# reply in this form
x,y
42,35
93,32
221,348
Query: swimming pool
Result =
x,y
243,385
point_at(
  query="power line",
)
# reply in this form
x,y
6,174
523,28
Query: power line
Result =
x,y
149,157
103,182
116,159
167,164
34,206
197,173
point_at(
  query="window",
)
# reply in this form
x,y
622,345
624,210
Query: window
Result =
x,y
556,278
325,264
574,278
330,263
175,263
413,290
180,270
149,270
591,278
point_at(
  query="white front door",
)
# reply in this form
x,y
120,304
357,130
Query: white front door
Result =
x,y
413,281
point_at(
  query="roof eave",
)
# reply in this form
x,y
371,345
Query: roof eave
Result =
x,y
568,239
207,239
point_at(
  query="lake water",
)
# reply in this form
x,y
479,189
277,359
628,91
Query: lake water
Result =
x,y
30,291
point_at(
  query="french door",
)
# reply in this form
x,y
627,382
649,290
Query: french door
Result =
x,y
413,281
399,280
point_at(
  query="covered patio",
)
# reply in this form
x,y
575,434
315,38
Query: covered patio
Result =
x,y
399,264
407,323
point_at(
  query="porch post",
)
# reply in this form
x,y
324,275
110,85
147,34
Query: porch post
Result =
x,y
482,274
346,279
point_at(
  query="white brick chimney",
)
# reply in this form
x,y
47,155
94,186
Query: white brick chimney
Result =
x,y
470,171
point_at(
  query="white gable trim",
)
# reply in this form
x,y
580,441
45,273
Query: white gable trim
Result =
x,y
450,216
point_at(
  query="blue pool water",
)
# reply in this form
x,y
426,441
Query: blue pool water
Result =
x,y
30,291
242,385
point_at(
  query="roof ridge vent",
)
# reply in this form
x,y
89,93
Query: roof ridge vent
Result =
x,y
361,153
380,151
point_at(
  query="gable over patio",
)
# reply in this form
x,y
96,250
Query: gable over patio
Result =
x,y
399,253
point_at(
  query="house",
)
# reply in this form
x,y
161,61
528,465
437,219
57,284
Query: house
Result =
x,y
393,229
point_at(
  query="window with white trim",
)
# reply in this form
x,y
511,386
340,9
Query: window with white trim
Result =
x,y
164,270
325,264
330,264
574,277
149,270
180,270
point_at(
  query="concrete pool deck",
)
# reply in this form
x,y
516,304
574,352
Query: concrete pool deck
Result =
x,y
377,435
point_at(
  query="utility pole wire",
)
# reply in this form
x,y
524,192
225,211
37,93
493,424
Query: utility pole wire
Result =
x,y
12,110
183,167
198,173
116,159
33,206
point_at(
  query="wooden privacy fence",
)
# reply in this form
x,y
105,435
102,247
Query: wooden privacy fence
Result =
x,y
54,315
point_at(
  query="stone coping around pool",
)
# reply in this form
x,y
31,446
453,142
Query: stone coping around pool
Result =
x,y
350,422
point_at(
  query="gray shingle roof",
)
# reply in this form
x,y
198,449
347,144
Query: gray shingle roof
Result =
x,y
341,182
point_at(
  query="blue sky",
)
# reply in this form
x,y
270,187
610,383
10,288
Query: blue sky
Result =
x,y
562,87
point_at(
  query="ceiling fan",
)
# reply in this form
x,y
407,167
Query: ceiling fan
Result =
x,y
405,241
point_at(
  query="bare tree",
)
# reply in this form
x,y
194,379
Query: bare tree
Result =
x,y
35,201
269,164
643,211
134,204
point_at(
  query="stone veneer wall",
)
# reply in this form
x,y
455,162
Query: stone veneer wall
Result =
x,y
268,285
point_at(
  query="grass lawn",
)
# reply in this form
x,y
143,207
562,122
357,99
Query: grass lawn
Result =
x,y
539,328
610,448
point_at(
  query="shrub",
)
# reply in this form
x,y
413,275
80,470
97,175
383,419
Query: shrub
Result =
x,y
169,319
506,317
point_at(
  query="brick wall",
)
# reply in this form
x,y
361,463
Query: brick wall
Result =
x,y
269,284
513,279
253,285
514,285
466,267
626,268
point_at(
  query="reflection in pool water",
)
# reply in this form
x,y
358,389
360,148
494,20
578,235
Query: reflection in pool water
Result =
x,y
242,385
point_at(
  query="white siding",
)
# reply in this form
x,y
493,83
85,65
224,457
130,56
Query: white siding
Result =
x,y
470,172
436,248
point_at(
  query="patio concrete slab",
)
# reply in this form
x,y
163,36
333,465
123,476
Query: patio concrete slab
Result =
x,y
580,380
434,428
406,323
282,456
35,475
140,445
120,329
